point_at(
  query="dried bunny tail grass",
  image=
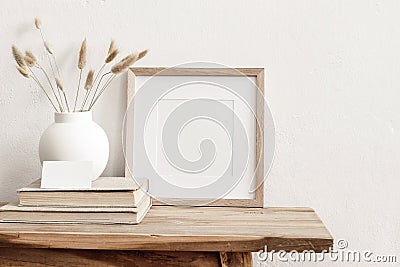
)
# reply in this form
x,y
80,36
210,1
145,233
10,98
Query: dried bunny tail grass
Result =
x,y
30,54
61,87
59,84
19,58
23,71
38,23
112,47
89,80
111,56
143,54
30,59
125,58
124,63
48,48
82,55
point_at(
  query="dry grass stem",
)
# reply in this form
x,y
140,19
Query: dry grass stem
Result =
x,y
82,55
35,78
106,84
77,90
118,68
38,23
81,66
62,89
111,56
32,61
28,64
19,58
51,86
124,64
23,72
89,80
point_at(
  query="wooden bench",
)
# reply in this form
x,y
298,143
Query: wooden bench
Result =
x,y
168,236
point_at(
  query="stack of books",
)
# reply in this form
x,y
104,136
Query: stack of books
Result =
x,y
111,200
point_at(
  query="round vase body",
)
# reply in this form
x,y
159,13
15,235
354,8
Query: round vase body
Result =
x,y
75,137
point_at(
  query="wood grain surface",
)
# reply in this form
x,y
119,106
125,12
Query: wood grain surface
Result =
x,y
229,259
106,258
162,71
184,229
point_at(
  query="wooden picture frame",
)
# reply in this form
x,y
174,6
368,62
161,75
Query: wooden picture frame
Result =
x,y
258,74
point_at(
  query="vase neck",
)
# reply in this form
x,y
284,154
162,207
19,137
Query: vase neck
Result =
x,y
67,117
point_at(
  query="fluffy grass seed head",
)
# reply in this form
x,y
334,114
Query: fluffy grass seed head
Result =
x,y
30,59
60,84
143,54
48,48
82,55
23,71
111,56
89,80
125,63
19,58
112,47
38,23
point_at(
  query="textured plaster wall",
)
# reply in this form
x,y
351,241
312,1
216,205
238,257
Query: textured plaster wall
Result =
x,y
332,81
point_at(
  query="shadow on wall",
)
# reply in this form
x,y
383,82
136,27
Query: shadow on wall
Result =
x,y
109,113
21,164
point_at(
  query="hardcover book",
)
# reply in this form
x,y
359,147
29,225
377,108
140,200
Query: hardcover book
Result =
x,y
13,212
105,192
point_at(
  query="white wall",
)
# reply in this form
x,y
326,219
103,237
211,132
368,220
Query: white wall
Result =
x,y
332,80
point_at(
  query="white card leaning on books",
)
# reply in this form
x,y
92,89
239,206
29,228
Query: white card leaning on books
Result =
x,y
66,174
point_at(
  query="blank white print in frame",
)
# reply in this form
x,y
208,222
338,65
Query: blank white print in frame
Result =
x,y
195,133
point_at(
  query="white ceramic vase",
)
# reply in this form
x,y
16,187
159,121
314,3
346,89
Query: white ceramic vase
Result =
x,y
75,137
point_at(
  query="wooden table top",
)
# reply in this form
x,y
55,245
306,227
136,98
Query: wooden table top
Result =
x,y
183,229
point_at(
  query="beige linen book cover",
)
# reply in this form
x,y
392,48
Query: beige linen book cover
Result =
x,y
13,212
105,192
